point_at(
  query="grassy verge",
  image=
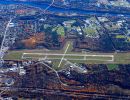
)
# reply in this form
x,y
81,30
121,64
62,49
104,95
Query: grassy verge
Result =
x,y
112,66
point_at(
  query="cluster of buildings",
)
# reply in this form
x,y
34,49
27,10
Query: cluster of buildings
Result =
x,y
90,32
36,80
116,3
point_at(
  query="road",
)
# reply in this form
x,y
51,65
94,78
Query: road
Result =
x,y
48,6
4,44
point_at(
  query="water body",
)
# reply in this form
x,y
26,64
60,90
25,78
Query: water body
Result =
x,y
63,10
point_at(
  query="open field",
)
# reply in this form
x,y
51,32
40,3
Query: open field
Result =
x,y
112,66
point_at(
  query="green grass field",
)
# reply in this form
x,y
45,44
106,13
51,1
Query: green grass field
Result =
x,y
112,66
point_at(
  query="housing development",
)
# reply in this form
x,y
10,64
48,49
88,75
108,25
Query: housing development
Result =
x,y
64,49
